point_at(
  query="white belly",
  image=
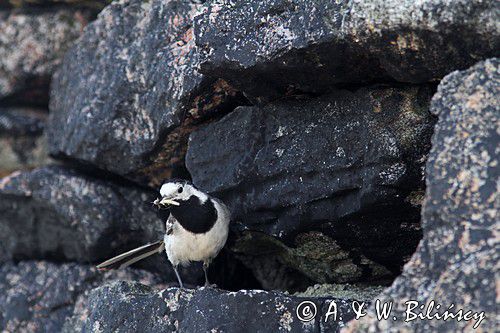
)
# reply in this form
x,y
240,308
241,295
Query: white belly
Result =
x,y
183,246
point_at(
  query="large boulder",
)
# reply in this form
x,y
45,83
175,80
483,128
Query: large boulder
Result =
x,y
32,44
128,93
140,308
336,177
457,260
60,214
38,296
273,47
22,143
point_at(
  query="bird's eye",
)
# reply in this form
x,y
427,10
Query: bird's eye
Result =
x,y
179,190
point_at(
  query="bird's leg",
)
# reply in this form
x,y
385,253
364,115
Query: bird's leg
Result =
x,y
205,270
178,277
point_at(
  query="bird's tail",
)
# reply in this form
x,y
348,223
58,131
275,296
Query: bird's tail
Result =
x,y
132,256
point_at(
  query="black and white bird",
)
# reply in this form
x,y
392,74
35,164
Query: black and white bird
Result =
x,y
196,229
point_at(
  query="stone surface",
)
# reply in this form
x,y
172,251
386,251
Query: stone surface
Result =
x,y
321,175
365,293
59,214
324,174
40,296
22,143
138,307
274,47
32,44
128,94
457,260
94,4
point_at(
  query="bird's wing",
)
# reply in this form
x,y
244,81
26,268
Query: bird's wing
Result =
x,y
132,256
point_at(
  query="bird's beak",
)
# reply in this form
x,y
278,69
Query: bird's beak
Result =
x,y
166,202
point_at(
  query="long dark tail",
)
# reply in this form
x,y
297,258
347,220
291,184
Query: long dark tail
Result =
x,y
132,256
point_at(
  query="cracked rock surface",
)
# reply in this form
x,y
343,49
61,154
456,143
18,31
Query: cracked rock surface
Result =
x,y
274,47
128,93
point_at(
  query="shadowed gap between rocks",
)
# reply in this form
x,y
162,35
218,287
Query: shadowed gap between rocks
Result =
x,y
295,280
200,115
36,94
372,243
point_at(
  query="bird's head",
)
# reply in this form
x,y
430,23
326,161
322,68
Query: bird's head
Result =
x,y
174,192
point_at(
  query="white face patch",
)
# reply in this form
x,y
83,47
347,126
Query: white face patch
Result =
x,y
171,191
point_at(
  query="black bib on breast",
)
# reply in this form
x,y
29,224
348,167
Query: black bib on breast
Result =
x,y
194,216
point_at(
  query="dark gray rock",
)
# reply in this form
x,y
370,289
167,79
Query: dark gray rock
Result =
x,y
94,4
128,94
41,296
60,214
274,47
457,260
321,174
31,48
22,143
139,308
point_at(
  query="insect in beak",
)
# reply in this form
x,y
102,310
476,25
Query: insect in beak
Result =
x,y
165,202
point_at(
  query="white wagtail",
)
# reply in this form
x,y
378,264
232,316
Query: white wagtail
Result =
x,y
196,229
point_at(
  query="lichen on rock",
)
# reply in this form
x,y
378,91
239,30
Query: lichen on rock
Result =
x,y
455,262
276,47
32,44
38,296
138,307
313,121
